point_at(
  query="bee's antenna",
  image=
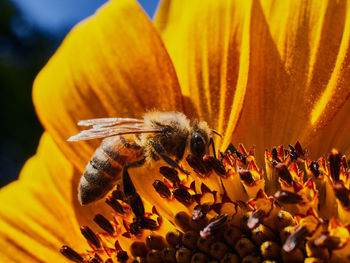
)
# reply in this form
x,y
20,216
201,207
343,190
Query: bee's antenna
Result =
x,y
215,132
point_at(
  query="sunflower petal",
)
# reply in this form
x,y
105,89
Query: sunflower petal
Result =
x,y
264,72
112,64
36,215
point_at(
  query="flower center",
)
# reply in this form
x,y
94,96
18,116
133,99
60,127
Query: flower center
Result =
x,y
296,212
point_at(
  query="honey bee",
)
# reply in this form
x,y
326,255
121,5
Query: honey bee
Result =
x,y
132,142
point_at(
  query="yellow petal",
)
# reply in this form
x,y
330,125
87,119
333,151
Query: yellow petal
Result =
x,y
208,42
37,214
112,64
264,72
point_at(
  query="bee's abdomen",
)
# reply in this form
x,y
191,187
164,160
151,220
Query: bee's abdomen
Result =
x,y
105,167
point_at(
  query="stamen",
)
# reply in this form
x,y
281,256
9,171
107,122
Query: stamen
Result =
x,y
128,186
135,228
284,173
113,202
275,155
256,218
122,256
342,194
197,164
104,223
216,164
146,223
90,236
295,239
94,260
288,197
161,189
314,168
182,195
334,164
200,211
136,205
170,174
246,176
118,194
71,254
216,224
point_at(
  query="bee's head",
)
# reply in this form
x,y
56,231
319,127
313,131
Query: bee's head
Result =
x,y
199,141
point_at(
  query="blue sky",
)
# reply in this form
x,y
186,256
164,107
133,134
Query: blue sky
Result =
x,y
56,16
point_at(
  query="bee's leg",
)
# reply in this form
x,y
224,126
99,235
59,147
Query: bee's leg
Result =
x,y
211,142
159,149
128,185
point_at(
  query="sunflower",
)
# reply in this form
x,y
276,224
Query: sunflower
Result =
x,y
262,73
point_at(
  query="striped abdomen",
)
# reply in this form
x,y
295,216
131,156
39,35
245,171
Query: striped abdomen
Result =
x,y
105,167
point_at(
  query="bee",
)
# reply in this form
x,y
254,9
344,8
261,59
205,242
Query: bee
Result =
x,y
129,142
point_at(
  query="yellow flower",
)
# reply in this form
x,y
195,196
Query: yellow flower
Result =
x,y
261,73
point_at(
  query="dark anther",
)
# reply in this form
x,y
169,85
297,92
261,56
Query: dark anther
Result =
x,y
241,157
293,154
197,164
230,149
215,164
94,260
246,176
109,260
344,163
170,174
161,189
295,239
275,155
118,194
122,256
90,236
145,223
256,218
135,228
342,194
128,186
327,241
214,225
104,223
299,149
334,164
200,211
71,254
284,173
182,195
314,168
112,202
288,197
136,205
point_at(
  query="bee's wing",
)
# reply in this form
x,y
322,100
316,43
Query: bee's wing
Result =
x,y
107,127
107,122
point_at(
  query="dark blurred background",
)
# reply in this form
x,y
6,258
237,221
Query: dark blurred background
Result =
x,y
31,30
